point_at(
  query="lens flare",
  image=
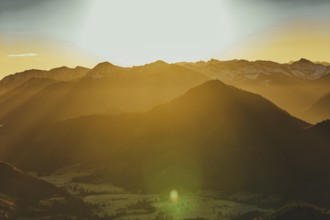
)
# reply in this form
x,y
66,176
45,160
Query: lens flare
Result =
x,y
174,195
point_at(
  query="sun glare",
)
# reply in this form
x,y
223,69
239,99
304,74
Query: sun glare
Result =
x,y
137,32
174,196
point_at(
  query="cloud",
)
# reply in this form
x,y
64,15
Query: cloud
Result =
x,y
24,55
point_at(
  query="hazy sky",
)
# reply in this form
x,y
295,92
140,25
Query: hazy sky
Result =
x,y
47,33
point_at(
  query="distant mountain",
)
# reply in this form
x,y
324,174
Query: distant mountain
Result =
x,y
320,110
22,195
293,86
214,136
261,73
61,74
158,72
104,87
306,69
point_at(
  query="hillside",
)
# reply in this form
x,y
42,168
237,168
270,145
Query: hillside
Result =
x,y
214,136
320,110
22,195
14,98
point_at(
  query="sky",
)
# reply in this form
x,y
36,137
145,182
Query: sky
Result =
x,y
44,34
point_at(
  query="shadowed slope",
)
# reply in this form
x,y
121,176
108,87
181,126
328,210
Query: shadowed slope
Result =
x,y
320,110
217,135
22,195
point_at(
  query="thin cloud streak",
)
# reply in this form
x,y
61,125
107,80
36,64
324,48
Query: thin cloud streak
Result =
x,y
24,55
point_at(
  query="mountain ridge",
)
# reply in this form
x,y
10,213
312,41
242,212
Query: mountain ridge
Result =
x,y
60,73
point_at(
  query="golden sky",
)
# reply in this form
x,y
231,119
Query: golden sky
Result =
x,y
289,42
44,34
34,53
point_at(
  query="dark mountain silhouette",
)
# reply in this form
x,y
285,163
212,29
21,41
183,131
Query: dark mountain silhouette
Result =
x,y
61,74
214,136
321,132
22,195
16,183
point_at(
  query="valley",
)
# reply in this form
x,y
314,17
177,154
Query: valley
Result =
x,y
111,202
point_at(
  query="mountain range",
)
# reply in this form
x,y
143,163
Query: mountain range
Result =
x,y
261,73
294,86
107,88
160,125
103,88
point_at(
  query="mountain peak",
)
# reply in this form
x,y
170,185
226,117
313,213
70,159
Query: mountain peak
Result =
x,y
209,90
213,61
156,65
213,84
61,68
159,63
105,64
80,68
303,61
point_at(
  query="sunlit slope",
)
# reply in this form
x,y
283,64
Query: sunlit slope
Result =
x,y
13,99
104,88
60,74
213,136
